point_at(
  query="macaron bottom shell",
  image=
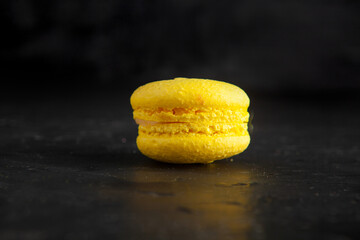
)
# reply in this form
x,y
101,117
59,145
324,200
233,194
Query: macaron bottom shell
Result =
x,y
191,149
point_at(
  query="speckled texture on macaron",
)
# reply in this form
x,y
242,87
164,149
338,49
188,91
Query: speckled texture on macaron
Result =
x,y
188,120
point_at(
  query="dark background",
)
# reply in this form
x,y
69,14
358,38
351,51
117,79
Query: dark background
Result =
x,y
69,164
277,47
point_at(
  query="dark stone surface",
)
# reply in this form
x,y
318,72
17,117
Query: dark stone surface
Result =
x,y
70,169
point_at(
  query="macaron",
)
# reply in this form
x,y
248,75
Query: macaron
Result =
x,y
190,120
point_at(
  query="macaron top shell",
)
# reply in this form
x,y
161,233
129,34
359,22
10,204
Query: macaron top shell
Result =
x,y
189,92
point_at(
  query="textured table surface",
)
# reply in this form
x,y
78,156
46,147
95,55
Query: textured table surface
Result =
x,y
70,169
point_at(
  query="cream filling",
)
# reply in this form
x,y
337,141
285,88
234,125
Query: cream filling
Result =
x,y
155,128
187,121
204,115
145,122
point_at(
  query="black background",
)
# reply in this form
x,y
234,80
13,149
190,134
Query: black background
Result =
x,y
69,164
277,47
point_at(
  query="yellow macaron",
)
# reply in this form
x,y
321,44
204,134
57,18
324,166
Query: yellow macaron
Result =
x,y
189,120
